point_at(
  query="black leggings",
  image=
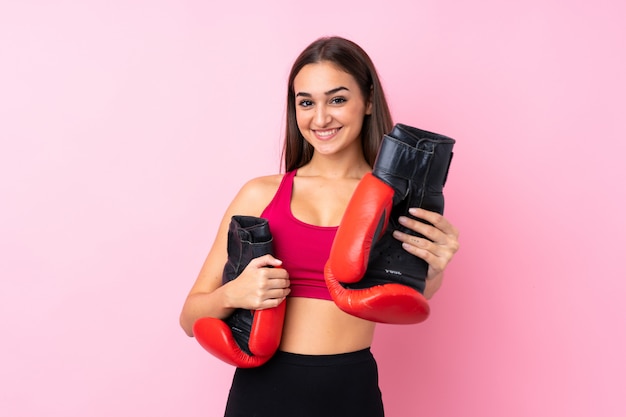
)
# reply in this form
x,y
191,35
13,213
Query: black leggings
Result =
x,y
293,385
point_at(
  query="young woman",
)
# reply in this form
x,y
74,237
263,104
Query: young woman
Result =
x,y
337,115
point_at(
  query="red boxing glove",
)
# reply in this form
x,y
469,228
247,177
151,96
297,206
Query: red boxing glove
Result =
x,y
216,336
368,273
247,338
365,220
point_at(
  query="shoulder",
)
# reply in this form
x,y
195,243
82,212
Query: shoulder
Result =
x,y
261,186
256,194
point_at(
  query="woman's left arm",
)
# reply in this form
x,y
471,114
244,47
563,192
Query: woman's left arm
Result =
x,y
437,250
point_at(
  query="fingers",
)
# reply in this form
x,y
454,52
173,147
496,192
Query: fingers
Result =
x,y
273,284
440,242
437,256
265,261
263,284
419,246
440,230
274,298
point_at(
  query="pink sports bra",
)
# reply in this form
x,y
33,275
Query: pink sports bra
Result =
x,y
303,248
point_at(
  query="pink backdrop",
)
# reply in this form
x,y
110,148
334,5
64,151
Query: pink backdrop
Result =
x,y
121,123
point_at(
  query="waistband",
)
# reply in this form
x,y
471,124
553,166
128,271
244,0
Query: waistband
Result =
x,y
359,356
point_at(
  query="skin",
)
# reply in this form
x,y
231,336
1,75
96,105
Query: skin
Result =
x,y
329,112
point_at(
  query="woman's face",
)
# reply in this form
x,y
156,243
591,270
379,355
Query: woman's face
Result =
x,y
329,107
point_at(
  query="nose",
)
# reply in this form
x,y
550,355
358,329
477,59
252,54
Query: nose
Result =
x,y
322,116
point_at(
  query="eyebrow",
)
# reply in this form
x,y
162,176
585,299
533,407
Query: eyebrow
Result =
x,y
327,93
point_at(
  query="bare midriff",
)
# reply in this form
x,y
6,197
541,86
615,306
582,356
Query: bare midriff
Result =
x,y
319,327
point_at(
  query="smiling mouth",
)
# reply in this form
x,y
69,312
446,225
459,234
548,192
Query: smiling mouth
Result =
x,y
325,134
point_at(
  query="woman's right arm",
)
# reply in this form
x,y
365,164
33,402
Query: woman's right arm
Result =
x,y
257,287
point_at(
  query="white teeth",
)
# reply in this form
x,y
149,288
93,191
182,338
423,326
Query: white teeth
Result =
x,y
326,133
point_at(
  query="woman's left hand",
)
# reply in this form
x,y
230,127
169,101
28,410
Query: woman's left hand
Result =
x,y
440,246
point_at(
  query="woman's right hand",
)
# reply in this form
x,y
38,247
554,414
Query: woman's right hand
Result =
x,y
258,287
262,284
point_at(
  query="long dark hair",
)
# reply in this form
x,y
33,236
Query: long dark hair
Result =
x,y
352,59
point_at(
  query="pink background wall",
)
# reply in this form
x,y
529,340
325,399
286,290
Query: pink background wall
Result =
x,y
121,123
